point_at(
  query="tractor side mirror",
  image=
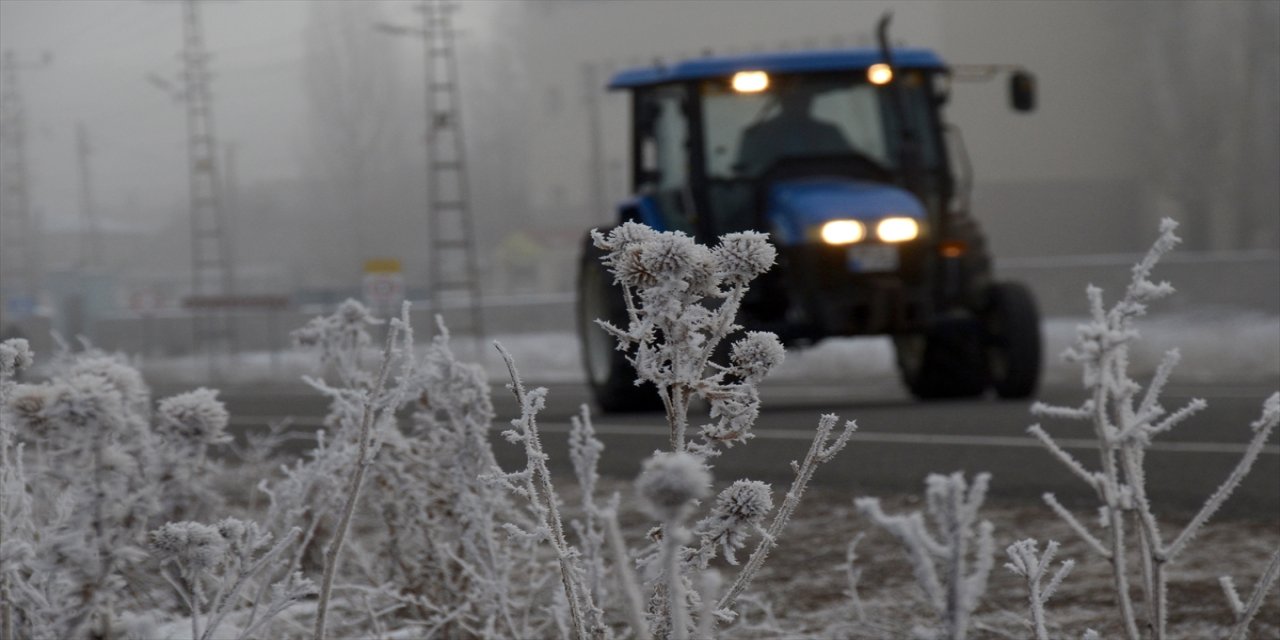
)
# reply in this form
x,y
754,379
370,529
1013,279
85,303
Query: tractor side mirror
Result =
x,y
1022,91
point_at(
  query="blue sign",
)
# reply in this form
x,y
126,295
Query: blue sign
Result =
x,y
20,305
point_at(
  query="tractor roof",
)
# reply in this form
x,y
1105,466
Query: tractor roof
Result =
x,y
778,62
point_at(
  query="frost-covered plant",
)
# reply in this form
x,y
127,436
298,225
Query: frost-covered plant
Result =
x,y
681,300
669,485
1026,560
1245,612
584,454
16,527
533,483
1125,419
853,575
940,561
187,426
434,554
211,566
341,340
77,516
739,511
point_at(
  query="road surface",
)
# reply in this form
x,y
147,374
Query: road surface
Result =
x,y
899,441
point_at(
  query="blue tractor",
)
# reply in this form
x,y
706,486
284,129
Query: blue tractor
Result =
x,y
844,158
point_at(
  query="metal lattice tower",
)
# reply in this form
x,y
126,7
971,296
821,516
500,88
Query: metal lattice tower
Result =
x,y
20,268
90,235
212,273
454,266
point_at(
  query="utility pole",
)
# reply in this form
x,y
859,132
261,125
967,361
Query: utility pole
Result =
x,y
212,269
454,267
596,172
90,237
20,267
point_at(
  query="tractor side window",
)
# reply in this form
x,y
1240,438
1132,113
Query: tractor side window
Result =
x,y
664,157
918,105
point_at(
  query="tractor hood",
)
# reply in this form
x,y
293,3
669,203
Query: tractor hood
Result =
x,y
797,208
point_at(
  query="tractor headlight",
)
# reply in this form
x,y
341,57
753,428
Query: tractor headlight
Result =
x,y
843,232
897,229
750,81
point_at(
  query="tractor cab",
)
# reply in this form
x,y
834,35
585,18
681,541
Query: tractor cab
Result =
x,y
839,155
723,144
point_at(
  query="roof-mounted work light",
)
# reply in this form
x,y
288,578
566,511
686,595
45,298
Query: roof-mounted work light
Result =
x,y
879,73
750,81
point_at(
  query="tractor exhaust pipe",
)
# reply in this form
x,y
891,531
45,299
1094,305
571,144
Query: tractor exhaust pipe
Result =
x,y
908,152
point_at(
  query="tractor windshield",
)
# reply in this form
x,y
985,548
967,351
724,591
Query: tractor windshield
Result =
x,y
811,117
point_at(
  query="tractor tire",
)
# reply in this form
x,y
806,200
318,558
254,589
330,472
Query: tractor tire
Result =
x,y
610,376
947,361
1011,324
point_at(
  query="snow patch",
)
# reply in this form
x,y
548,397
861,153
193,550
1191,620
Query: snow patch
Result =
x,y
1217,346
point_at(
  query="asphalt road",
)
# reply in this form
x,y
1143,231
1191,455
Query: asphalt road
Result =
x,y
899,441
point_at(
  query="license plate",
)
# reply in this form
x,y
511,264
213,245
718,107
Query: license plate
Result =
x,y
873,258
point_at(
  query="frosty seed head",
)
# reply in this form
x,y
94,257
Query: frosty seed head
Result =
x,y
629,270
15,355
124,378
197,417
738,510
191,544
629,233
87,400
311,334
742,256
702,278
28,405
351,313
670,481
243,538
668,255
756,354
745,502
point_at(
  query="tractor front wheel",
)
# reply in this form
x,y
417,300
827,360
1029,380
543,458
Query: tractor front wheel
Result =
x,y
946,361
1011,324
610,376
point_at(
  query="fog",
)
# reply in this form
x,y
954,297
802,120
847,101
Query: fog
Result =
x,y
1146,109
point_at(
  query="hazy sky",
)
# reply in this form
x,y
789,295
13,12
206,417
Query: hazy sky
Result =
x,y
102,52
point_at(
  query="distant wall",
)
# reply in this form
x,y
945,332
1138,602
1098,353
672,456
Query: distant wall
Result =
x,y
1240,281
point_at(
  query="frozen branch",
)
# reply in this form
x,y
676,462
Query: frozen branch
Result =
x,y
821,450
1028,562
1244,613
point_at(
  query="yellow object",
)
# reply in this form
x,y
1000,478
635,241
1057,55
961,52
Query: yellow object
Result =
x,y
750,81
382,265
879,73
843,232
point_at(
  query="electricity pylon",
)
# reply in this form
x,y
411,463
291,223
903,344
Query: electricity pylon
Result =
x,y
90,236
212,270
454,266
20,268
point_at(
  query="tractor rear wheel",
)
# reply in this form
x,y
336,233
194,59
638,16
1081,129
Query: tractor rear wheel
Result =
x,y
609,375
947,361
1011,324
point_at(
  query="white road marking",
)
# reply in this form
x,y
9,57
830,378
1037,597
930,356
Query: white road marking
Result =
x,y
803,435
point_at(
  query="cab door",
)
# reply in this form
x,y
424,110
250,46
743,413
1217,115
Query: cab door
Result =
x,y
662,163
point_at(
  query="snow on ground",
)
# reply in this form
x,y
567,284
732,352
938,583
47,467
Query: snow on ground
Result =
x,y
1216,346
